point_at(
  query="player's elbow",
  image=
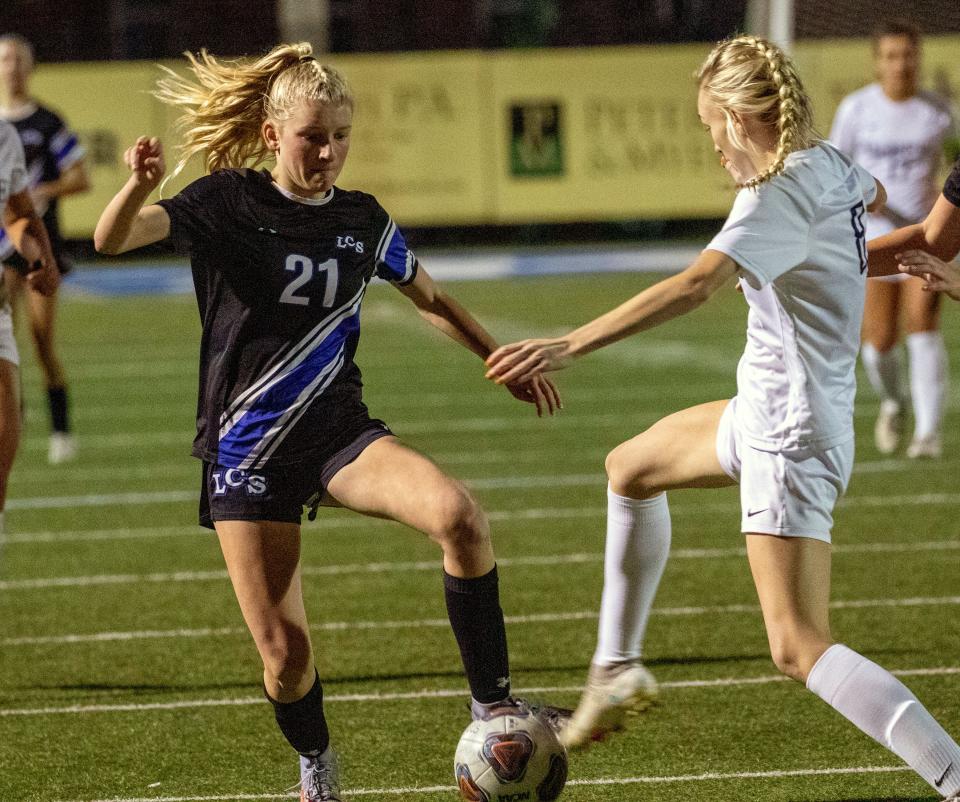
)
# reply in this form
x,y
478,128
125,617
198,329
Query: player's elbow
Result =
x,y
103,244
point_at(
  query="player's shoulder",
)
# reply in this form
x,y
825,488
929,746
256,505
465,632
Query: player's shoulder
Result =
x,y
935,101
361,204
812,174
44,119
860,98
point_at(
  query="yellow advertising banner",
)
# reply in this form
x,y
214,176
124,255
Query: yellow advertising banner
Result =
x,y
505,137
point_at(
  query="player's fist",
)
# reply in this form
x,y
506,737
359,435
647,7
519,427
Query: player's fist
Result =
x,y
145,161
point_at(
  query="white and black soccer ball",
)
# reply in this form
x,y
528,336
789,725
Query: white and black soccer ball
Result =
x,y
513,757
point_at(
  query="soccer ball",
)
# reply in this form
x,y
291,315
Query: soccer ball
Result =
x,y
513,757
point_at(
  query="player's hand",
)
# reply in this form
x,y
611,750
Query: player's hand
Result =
x,y
539,391
43,277
937,274
145,161
522,361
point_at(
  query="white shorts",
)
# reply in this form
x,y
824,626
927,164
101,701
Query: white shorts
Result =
x,y
8,345
787,494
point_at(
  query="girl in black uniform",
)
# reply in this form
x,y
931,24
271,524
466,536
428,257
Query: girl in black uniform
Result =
x,y
281,260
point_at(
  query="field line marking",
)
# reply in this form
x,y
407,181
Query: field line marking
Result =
x,y
497,483
421,623
597,781
445,693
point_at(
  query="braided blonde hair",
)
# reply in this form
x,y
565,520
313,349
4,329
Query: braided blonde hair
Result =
x,y
752,76
227,103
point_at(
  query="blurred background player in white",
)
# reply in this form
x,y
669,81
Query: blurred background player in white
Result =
x,y
925,249
281,261
796,240
27,233
55,169
900,133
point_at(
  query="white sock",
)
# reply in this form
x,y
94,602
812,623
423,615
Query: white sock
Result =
x,y
883,371
638,544
928,381
885,709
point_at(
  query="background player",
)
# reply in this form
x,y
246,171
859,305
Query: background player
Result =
x,y
795,238
899,133
55,169
27,232
281,261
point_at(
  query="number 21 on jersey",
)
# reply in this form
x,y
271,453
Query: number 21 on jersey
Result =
x,y
304,270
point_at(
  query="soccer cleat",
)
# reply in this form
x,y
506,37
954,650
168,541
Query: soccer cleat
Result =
x,y
554,717
929,447
889,426
320,778
612,692
62,448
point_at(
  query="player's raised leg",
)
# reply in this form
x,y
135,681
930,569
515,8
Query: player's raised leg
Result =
x,y
263,560
677,451
792,576
390,480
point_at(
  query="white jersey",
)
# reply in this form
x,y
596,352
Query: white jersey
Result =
x,y
799,242
13,165
901,143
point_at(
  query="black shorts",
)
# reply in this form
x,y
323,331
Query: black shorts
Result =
x,y
18,263
280,493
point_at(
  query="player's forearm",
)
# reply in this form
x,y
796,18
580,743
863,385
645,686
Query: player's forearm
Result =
x,y
115,224
882,251
28,234
663,301
447,315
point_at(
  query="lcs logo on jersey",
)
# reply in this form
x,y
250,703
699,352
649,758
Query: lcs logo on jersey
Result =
x,y
350,244
233,478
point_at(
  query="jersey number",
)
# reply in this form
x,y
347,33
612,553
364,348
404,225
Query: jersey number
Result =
x,y
304,269
860,233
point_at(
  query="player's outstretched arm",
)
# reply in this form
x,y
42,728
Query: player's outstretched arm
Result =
x,y
445,313
125,224
663,301
29,236
938,276
938,234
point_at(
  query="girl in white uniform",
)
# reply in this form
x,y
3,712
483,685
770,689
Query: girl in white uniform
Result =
x,y
795,238
899,132
30,238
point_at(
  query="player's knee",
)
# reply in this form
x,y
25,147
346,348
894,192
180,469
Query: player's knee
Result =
x,y
459,520
627,474
795,655
286,652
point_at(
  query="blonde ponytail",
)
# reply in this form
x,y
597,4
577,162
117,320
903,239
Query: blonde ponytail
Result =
x,y
226,103
752,76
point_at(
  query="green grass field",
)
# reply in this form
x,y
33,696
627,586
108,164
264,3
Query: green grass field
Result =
x,y
126,672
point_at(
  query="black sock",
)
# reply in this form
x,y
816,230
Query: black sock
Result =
x,y
473,606
302,722
57,398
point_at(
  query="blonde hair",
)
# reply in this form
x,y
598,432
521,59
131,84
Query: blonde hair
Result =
x,y
227,103
752,76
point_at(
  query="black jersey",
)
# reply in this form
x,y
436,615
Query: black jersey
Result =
x,y
279,284
951,189
50,148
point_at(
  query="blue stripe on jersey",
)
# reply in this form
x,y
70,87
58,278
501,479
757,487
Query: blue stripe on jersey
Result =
x,y
396,259
251,434
61,153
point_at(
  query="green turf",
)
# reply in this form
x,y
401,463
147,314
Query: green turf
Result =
x,y
133,369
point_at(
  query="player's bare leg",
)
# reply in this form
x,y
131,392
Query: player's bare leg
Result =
x,y
263,560
10,427
678,451
390,480
792,576
881,360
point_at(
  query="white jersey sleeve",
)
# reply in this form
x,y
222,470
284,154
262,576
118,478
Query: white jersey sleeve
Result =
x,y
13,165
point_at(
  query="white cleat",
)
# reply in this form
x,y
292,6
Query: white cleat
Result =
x,y
889,427
929,447
63,448
612,693
320,778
